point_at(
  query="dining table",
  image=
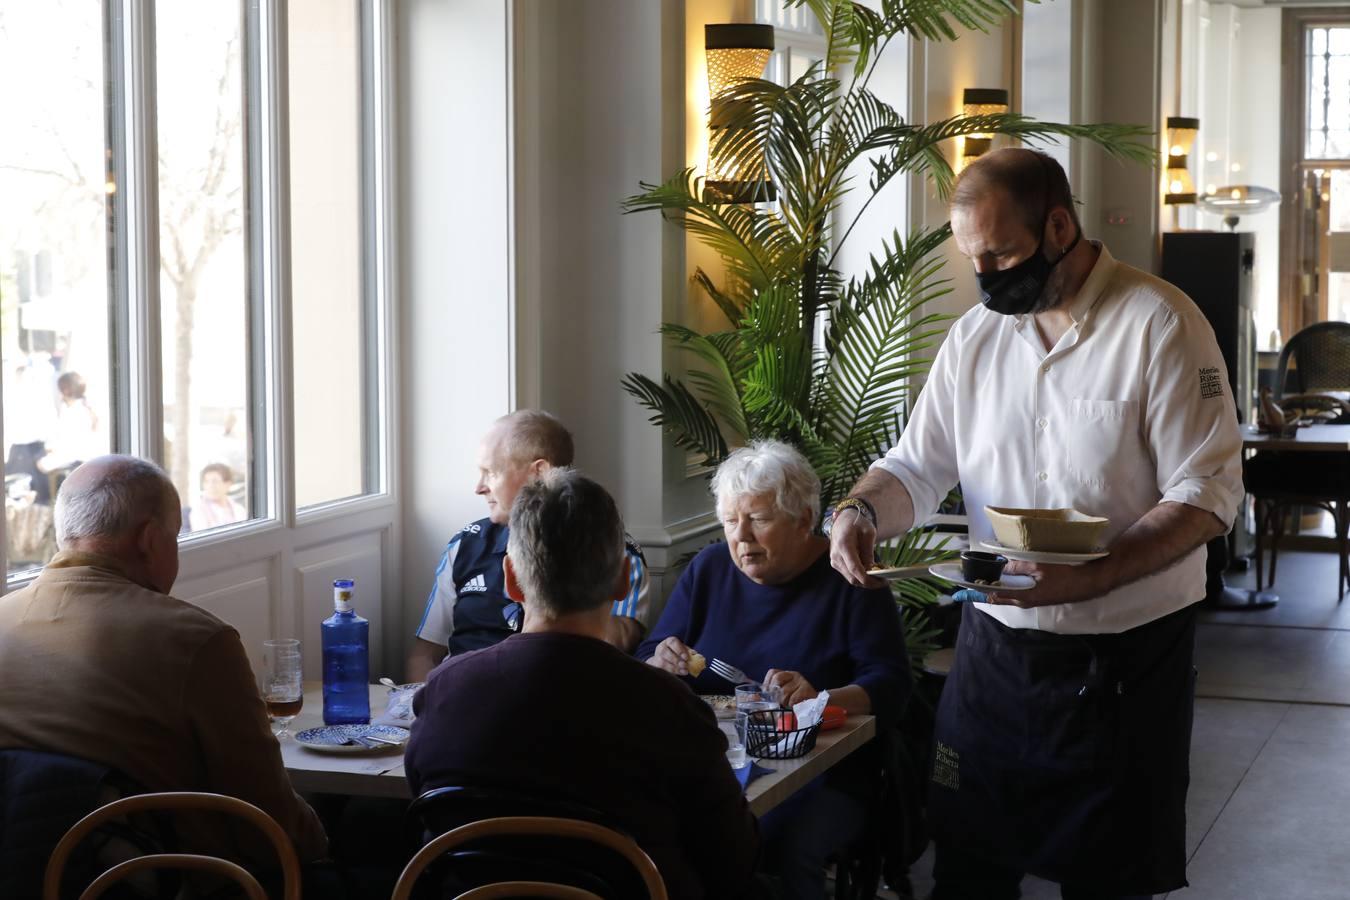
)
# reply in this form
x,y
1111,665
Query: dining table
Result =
x,y
379,773
1308,439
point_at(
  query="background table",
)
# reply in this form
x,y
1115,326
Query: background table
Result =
x,y
380,773
1322,438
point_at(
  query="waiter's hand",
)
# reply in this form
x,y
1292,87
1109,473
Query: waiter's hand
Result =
x,y
852,539
792,687
1054,585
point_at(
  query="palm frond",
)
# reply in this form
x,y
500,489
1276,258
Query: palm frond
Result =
x,y
915,148
717,385
676,410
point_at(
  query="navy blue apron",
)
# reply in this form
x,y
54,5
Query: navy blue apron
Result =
x,y
1067,756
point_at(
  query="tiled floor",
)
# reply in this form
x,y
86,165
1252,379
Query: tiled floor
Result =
x,y
1269,804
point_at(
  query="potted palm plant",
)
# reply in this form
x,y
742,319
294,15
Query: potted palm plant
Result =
x,y
825,360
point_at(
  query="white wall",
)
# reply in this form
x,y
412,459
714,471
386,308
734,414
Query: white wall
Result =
x,y
940,72
1125,37
454,166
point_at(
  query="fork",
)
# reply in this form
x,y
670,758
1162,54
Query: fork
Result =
x,y
730,672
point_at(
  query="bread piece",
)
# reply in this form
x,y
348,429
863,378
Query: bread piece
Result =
x,y
697,663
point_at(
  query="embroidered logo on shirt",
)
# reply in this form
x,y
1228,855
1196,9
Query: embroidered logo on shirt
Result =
x,y
476,583
473,528
947,767
1211,382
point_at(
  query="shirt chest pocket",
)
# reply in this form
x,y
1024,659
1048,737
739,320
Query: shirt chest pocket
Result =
x,y
1102,441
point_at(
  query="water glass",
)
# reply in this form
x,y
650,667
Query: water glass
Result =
x,y
282,683
735,734
752,697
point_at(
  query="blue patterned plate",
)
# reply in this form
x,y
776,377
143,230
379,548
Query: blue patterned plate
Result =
x,y
353,738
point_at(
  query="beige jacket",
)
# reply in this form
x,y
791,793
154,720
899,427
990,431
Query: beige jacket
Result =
x,y
95,666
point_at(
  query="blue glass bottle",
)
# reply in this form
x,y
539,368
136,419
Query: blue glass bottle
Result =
x,y
346,660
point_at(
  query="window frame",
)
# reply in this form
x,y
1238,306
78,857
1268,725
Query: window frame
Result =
x,y
136,391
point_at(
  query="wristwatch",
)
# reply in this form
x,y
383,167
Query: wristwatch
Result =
x,y
864,508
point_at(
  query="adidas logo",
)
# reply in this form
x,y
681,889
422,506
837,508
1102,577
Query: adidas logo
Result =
x,y
476,583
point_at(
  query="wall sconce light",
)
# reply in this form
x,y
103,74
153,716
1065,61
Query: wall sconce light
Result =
x,y
1181,132
734,54
1180,187
980,102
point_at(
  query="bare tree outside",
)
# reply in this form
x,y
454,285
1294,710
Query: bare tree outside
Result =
x,y
201,205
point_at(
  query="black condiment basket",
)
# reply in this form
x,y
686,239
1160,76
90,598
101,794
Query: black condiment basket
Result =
x,y
765,738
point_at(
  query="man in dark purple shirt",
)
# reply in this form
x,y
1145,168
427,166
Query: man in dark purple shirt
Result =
x,y
558,711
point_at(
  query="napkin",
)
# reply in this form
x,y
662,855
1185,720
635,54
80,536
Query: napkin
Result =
x,y
809,712
398,708
967,595
749,772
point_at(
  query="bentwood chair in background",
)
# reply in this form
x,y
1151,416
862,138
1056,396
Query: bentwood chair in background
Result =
x,y
576,863
535,832
177,802
1315,367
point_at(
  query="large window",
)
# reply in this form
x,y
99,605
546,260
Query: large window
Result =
x,y
192,253
1327,63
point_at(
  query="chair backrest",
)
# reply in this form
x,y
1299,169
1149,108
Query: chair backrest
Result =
x,y
511,889
180,861
41,796
177,801
444,809
1321,357
570,831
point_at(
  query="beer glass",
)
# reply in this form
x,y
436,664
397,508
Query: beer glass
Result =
x,y
283,687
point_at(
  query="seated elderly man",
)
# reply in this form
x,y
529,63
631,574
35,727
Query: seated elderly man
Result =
x,y
468,608
573,717
99,662
769,603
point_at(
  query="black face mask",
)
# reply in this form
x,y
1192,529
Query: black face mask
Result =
x,y
1016,290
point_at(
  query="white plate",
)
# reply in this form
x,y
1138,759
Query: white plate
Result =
x,y
1043,556
333,738
952,572
899,574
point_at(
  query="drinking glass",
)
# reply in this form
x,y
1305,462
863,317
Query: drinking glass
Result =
x,y
735,734
751,697
282,683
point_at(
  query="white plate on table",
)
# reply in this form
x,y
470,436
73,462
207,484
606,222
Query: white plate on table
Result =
x,y
952,572
1043,556
338,738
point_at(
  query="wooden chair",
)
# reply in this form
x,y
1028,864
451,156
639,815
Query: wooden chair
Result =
x,y
178,802
531,827
512,889
180,861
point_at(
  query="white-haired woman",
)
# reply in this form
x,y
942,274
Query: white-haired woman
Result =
x,y
769,603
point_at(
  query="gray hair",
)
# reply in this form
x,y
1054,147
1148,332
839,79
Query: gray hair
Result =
x,y
129,493
566,542
769,467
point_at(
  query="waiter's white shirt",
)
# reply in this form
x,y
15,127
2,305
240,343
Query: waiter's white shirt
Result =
x,y
1131,408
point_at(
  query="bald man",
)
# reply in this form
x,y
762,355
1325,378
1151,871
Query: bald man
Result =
x,y
99,662
468,608
1063,733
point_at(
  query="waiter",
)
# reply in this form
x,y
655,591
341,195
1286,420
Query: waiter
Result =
x,y
1063,734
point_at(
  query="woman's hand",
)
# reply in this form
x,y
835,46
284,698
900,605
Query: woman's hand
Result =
x,y
791,686
671,655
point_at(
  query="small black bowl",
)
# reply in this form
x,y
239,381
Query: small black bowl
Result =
x,y
985,568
